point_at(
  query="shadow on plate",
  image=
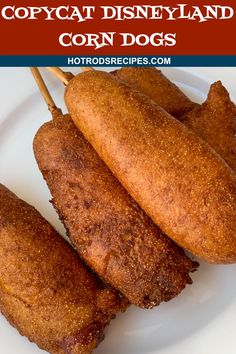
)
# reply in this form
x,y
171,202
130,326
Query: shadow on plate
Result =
x,y
148,331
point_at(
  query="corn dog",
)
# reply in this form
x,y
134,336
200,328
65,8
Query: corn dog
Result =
x,y
156,85
215,122
108,229
45,290
186,188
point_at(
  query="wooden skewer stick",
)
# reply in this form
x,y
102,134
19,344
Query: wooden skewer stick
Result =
x,y
44,91
60,74
63,76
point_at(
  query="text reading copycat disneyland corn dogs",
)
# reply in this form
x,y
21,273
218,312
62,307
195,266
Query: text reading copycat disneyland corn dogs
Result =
x,y
80,14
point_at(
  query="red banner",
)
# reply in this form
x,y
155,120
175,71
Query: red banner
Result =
x,y
127,28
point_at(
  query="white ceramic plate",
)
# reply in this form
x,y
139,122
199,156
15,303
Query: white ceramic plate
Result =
x,y
202,320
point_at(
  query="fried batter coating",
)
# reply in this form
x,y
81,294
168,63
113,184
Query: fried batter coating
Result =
x,y
109,230
178,179
215,122
45,290
154,84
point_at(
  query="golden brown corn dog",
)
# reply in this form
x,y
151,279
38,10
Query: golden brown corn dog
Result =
x,y
186,188
45,290
111,233
215,122
156,85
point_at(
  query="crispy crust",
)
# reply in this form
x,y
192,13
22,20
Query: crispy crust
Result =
x,y
187,189
154,84
112,234
45,290
215,122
